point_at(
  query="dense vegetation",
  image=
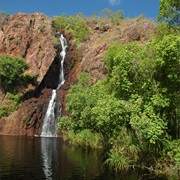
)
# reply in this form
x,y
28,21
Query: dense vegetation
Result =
x,y
11,76
135,111
75,25
11,69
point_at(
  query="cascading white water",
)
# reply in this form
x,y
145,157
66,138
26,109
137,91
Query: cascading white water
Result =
x,y
63,55
51,118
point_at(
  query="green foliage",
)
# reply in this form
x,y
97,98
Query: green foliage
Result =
x,y
15,101
169,12
65,124
167,53
85,138
3,111
151,72
135,109
85,105
73,24
173,151
11,69
29,79
110,115
149,127
164,30
169,163
4,14
115,17
12,106
124,152
130,69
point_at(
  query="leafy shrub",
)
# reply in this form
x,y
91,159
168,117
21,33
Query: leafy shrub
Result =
x,y
12,106
169,163
4,14
73,24
29,79
11,69
85,138
124,152
55,43
115,17
3,111
169,12
136,109
15,101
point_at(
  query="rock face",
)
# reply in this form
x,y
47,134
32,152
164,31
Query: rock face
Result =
x,y
29,37
32,37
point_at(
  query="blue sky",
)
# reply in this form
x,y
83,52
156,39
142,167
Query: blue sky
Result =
x,y
131,8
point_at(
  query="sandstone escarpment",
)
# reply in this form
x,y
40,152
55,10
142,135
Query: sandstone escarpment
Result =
x,y
29,37
32,37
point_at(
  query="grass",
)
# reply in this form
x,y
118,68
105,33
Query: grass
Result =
x,y
85,138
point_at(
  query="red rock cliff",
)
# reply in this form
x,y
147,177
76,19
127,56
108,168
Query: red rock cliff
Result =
x,y
32,37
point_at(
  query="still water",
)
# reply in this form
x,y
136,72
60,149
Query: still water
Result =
x,y
25,158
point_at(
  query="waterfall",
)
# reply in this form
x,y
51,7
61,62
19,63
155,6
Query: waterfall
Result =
x,y
63,55
53,113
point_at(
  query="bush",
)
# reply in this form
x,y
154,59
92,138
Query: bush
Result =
x,y
3,111
29,79
73,24
11,69
169,163
3,14
136,108
124,152
85,138
15,101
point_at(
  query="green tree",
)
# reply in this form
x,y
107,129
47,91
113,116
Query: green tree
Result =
x,y
76,25
11,69
115,17
136,108
167,53
4,14
169,11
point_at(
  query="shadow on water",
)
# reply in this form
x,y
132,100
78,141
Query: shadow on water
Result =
x,y
50,158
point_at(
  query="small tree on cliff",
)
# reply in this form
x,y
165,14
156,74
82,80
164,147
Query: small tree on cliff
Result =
x,y
11,69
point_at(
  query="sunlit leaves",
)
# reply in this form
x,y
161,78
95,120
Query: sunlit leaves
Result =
x,y
11,69
169,12
76,25
136,108
148,125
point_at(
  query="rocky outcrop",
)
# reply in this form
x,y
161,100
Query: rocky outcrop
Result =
x,y
31,37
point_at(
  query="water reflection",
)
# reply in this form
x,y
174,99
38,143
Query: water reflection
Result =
x,y
48,154
50,158
88,163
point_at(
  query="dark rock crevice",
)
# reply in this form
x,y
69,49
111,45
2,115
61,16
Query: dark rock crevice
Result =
x,y
50,80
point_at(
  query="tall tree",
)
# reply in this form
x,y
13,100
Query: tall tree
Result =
x,y
169,11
